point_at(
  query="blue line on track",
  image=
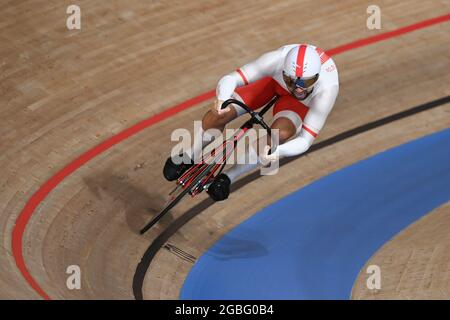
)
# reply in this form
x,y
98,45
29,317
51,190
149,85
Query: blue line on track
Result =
x,y
313,243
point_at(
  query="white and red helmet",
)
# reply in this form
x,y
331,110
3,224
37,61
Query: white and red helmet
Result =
x,y
301,67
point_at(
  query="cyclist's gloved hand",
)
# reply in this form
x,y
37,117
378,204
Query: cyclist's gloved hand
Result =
x,y
217,107
266,158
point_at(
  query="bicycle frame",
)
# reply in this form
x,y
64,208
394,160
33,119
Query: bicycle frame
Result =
x,y
226,149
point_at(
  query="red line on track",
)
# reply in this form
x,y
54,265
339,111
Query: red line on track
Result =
x,y
49,185
388,35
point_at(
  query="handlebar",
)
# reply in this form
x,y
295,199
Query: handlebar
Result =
x,y
257,117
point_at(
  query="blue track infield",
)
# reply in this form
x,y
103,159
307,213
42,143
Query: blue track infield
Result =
x,y
313,243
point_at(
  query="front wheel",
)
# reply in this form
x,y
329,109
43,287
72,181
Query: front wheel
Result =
x,y
177,195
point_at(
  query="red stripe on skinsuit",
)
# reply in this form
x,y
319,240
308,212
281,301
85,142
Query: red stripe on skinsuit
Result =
x,y
323,56
242,76
310,131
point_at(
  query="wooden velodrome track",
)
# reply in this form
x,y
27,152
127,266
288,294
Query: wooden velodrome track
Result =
x,y
65,92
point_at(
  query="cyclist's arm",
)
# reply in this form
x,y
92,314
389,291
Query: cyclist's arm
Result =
x,y
314,122
262,67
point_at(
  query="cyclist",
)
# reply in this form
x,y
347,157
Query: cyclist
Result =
x,y
306,81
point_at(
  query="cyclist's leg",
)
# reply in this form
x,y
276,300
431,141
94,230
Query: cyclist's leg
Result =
x,y
288,115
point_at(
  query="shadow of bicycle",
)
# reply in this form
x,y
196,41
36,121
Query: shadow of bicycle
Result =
x,y
138,204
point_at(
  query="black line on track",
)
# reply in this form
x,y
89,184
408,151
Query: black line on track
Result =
x,y
158,243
